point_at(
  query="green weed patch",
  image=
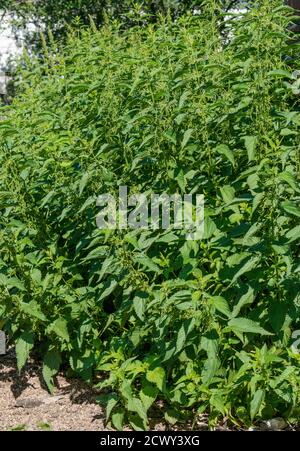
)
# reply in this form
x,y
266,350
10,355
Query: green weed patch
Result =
x,y
204,326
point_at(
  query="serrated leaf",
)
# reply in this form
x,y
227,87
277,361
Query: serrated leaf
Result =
x,y
51,365
145,261
249,264
12,282
139,304
109,288
47,198
220,304
60,328
106,265
291,208
256,403
90,201
157,377
246,299
256,201
209,228
183,333
212,363
148,395
33,309
36,276
24,345
246,325
137,423
250,144
180,118
186,137
293,234
217,402
181,180
227,193
172,416
111,401
222,149
135,405
83,182
183,99
117,420
281,73
290,179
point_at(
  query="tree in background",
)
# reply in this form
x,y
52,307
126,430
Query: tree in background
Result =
x,y
58,14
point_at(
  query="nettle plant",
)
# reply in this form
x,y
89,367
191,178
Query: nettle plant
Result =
x,y
169,325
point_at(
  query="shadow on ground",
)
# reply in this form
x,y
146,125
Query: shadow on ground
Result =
x,y
25,401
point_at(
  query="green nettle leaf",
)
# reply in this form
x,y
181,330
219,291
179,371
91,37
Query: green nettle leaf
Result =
x,y
222,149
83,182
209,228
291,208
186,137
256,403
12,282
212,363
33,309
251,143
51,365
36,275
173,416
181,180
183,98
47,198
293,234
217,402
60,328
250,263
244,103
183,333
180,118
246,325
117,420
246,299
281,73
90,201
227,193
148,395
139,303
135,405
112,401
277,316
257,201
137,423
157,377
24,345
147,263
109,288
3,280
220,304
290,179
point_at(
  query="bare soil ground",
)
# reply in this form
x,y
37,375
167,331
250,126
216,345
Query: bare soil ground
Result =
x,y
25,403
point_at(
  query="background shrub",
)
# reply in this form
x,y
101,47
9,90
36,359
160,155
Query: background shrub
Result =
x,y
202,325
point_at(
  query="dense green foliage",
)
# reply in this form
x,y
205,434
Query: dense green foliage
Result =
x,y
201,325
